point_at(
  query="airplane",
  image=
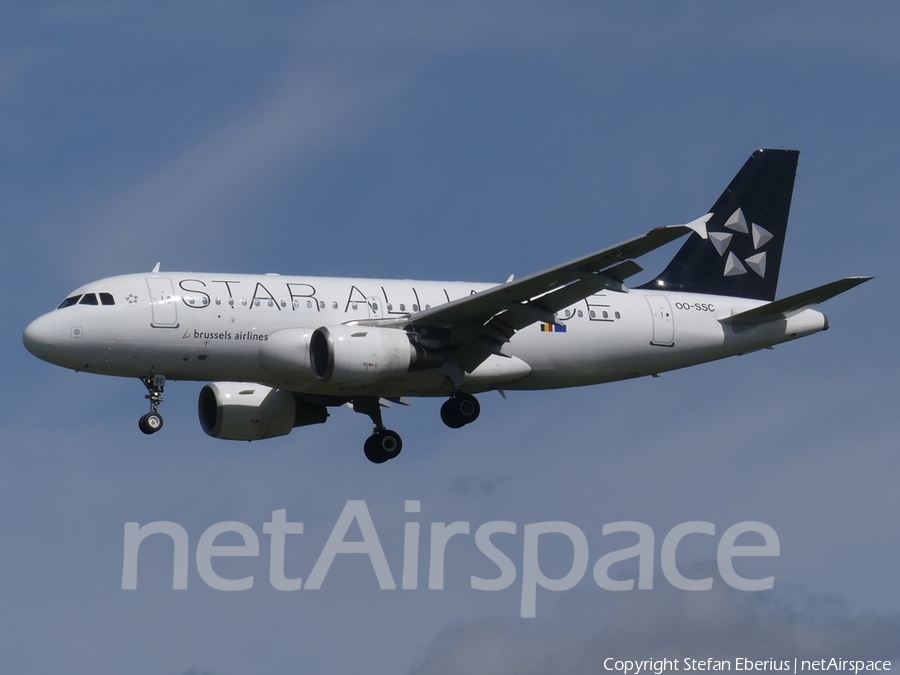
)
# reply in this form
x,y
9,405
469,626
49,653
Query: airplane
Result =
x,y
279,351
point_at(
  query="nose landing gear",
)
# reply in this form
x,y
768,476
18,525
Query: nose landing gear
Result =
x,y
153,421
459,410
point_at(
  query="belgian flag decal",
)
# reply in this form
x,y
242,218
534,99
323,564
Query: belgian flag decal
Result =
x,y
552,328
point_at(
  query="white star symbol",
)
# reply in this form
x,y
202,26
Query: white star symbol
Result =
x,y
131,298
737,223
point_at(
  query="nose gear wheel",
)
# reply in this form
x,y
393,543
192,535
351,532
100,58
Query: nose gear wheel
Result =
x,y
153,421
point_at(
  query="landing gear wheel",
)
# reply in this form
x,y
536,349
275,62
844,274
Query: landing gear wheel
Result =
x,y
153,421
449,415
460,410
150,423
383,445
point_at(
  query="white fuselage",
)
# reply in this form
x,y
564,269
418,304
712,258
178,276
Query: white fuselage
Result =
x,y
225,327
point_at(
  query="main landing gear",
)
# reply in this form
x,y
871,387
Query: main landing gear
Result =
x,y
153,421
383,444
459,410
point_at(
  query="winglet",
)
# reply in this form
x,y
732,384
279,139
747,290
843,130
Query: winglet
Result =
x,y
699,225
155,269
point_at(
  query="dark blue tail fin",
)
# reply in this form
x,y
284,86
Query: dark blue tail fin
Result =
x,y
742,255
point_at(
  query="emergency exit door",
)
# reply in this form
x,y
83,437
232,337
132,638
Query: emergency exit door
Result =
x,y
163,303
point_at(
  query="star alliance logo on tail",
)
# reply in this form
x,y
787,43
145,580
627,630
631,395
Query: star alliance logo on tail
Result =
x,y
737,223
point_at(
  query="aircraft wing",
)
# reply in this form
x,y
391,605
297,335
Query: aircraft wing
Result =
x,y
479,325
793,304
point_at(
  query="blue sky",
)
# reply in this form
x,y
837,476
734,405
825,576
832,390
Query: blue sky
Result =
x,y
465,142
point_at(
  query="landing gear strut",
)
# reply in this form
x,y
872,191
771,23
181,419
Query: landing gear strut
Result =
x,y
459,410
383,444
153,421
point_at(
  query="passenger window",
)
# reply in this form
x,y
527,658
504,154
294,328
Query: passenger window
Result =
x,y
283,304
605,314
402,307
580,314
68,302
88,299
271,304
618,316
321,304
309,304
355,306
256,303
333,305
593,314
231,302
106,299
218,301
295,304
415,308
243,302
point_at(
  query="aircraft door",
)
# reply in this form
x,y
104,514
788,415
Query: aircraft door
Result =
x,y
163,303
663,321
376,307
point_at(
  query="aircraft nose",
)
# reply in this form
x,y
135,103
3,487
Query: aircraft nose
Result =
x,y
39,337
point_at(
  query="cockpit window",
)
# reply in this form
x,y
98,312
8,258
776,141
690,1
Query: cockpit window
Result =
x,y
68,302
107,299
88,299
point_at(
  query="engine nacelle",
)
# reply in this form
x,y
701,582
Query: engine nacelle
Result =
x,y
362,355
242,411
286,354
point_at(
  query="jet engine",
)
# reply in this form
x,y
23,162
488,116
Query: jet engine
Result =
x,y
286,354
362,355
241,411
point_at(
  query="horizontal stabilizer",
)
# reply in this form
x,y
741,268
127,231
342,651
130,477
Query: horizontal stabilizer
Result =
x,y
794,304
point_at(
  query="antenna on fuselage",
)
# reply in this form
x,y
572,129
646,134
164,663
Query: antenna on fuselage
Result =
x,y
155,269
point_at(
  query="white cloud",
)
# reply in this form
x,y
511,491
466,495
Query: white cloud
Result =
x,y
180,201
722,624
